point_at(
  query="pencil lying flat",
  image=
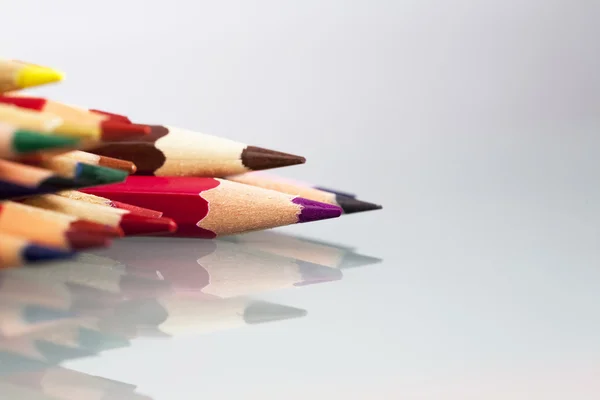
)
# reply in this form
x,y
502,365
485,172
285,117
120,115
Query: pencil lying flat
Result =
x,y
16,142
170,151
15,75
16,251
130,223
68,167
209,207
19,180
106,131
268,181
101,161
49,228
101,201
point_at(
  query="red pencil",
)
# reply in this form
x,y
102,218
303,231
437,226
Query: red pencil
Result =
x,y
209,207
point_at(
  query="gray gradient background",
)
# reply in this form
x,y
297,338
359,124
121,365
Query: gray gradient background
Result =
x,y
475,123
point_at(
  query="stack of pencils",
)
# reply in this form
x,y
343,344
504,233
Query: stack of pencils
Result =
x,y
74,178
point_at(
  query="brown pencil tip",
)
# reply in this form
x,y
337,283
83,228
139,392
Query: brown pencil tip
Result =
x,y
351,205
115,131
257,158
123,165
83,240
133,224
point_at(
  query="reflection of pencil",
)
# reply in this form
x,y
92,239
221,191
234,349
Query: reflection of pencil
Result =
x,y
18,318
177,315
11,391
89,271
302,249
215,268
67,384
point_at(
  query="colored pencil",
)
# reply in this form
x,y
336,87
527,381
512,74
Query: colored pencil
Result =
x,y
268,181
286,245
19,180
170,151
106,131
101,201
16,251
16,142
15,75
130,223
208,207
63,110
215,269
101,161
68,167
48,228
184,315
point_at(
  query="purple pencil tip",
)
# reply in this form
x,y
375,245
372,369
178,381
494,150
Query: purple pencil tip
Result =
x,y
315,211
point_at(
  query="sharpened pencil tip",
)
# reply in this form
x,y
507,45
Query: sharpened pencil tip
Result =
x,y
257,158
26,141
351,205
133,224
98,175
315,211
116,131
31,75
354,260
260,312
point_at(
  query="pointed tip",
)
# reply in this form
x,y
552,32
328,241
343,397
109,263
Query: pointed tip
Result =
x,y
259,312
354,260
36,314
99,341
96,228
98,175
112,116
133,224
30,76
257,158
32,103
315,273
351,205
33,253
136,210
26,141
115,163
315,211
115,131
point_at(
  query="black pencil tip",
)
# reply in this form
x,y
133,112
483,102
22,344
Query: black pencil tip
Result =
x,y
257,158
351,205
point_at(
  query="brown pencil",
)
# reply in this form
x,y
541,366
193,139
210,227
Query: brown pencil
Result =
x,y
170,151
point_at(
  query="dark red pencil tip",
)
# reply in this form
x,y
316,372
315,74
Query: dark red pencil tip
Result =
x,y
133,224
146,212
115,131
112,116
95,228
32,103
84,240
